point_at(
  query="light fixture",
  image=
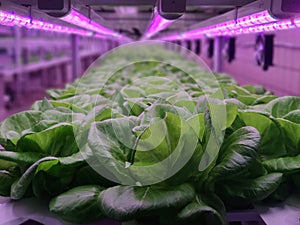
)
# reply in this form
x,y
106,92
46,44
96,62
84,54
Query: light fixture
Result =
x,y
171,9
12,19
240,23
126,10
80,20
280,25
158,23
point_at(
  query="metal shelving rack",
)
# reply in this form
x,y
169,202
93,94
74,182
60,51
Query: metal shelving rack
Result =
x,y
56,62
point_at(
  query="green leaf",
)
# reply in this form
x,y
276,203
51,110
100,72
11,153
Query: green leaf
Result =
x,y
7,178
164,148
204,210
231,113
237,153
78,205
87,175
188,104
42,105
126,203
272,144
18,125
56,141
44,184
284,164
290,136
250,190
246,99
21,157
264,99
255,89
215,124
160,110
20,186
4,164
64,166
135,106
133,92
296,180
110,144
293,116
279,107
85,101
284,190
198,125
233,101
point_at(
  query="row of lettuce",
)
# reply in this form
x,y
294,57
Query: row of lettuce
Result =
x,y
95,148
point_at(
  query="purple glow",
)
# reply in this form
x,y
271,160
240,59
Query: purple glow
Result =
x,y
227,27
280,25
158,23
80,20
11,19
254,19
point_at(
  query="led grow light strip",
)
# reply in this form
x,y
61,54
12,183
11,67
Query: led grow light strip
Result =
x,y
240,23
158,23
280,25
11,19
82,21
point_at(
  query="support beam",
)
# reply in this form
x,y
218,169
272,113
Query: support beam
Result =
x,y
44,78
76,62
218,57
18,62
2,96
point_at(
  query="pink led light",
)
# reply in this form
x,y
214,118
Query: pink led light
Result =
x,y
158,23
11,19
227,27
254,19
171,37
80,20
280,25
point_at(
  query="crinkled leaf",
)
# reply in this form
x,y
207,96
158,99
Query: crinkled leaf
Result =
x,y
14,127
164,148
279,107
283,164
272,144
237,153
110,143
58,140
293,116
290,136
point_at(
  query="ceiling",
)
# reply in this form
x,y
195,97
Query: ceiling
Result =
x,y
132,17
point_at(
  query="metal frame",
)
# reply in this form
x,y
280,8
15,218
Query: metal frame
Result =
x,y
153,2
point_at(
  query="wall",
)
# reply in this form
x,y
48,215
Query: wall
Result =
x,y
282,79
